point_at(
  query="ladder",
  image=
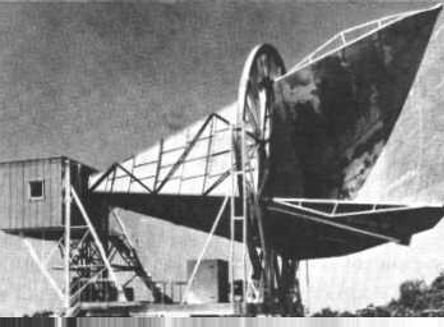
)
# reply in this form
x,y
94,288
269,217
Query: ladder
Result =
x,y
238,218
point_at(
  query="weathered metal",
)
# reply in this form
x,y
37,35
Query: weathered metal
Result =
x,y
334,114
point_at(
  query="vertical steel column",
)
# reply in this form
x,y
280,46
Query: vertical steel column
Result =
x,y
233,169
67,202
98,243
244,215
238,188
42,266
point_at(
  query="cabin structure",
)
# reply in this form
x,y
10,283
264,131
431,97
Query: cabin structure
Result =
x,y
32,194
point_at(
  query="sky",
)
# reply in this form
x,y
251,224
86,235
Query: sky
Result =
x,y
99,82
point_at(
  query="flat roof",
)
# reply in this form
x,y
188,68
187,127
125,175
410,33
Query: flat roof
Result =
x,y
14,161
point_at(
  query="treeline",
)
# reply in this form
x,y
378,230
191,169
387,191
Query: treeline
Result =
x,y
416,299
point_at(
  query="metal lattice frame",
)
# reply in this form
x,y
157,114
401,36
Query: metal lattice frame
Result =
x,y
349,36
88,258
205,133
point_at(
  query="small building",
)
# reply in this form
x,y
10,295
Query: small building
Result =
x,y
32,195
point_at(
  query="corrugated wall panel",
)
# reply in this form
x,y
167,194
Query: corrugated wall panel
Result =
x,y
17,210
30,220
54,193
10,197
48,194
4,191
57,194
15,189
34,219
49,180
24,196
30,215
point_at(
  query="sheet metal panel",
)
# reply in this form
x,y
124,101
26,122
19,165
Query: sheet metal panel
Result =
x,y
333,117
411,165
17,210
20,213
304,239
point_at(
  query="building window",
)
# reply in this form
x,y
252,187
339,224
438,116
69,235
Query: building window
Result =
x,y
36,190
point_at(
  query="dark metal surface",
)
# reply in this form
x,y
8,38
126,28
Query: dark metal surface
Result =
x,y
333,118
191,211
305,239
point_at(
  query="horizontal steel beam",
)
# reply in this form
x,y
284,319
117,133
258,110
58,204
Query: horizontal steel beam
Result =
x,y
335,224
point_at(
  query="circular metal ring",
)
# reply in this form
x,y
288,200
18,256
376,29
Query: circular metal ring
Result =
x,y
255,100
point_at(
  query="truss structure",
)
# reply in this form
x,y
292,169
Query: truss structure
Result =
x,y
349,36
193,162
96,262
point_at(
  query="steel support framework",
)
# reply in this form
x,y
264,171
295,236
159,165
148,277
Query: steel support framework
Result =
x,y
349,36
118,171
257,275
92,260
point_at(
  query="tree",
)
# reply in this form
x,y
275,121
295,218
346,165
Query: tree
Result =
x,y
416,299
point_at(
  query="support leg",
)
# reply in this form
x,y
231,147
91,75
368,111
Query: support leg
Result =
x,y
43,269
289,291
98,244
